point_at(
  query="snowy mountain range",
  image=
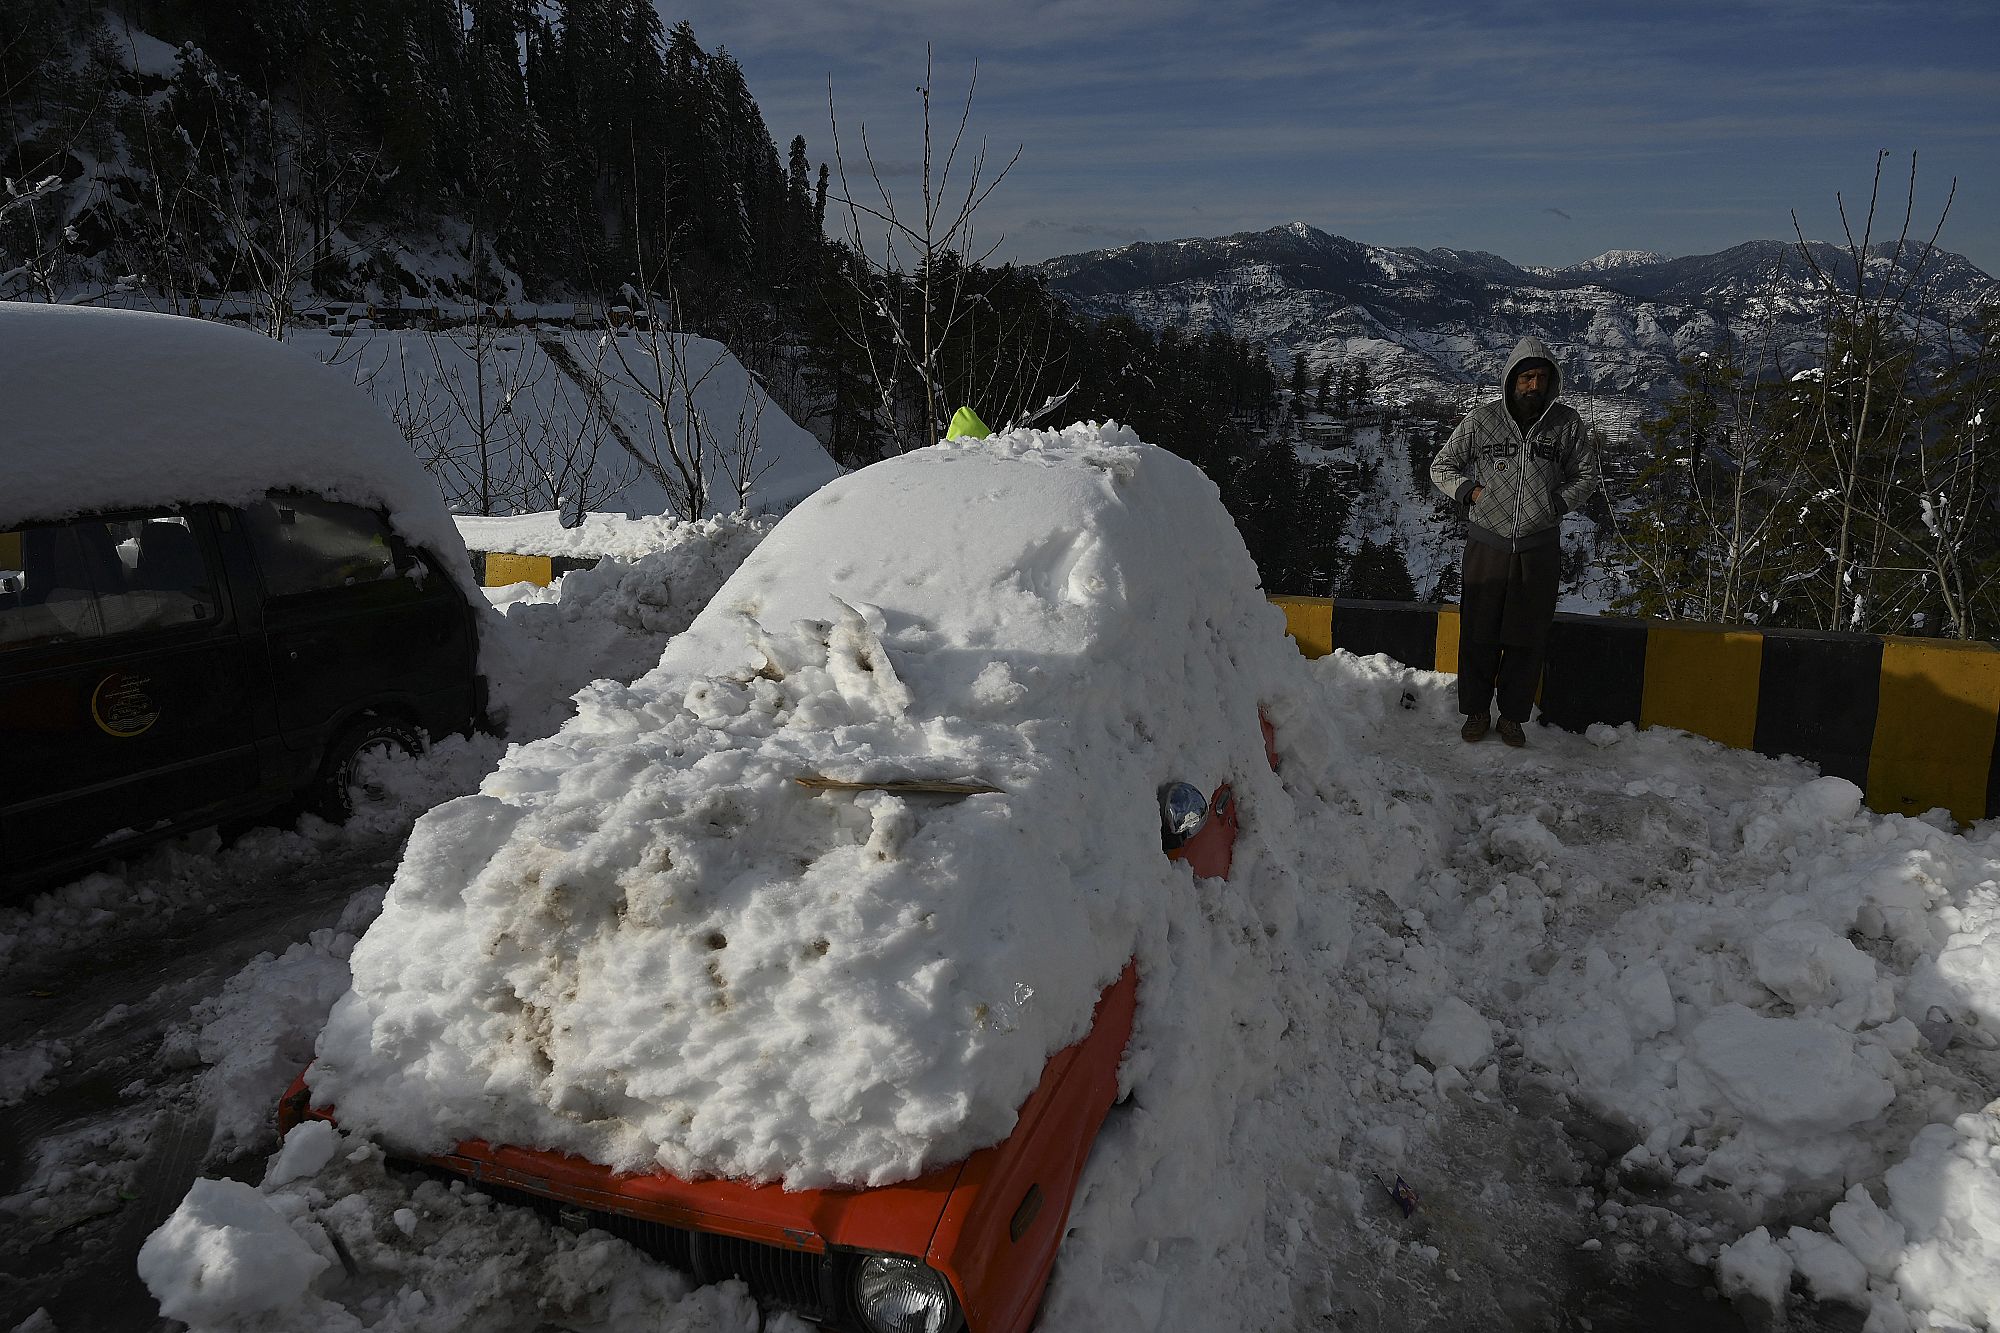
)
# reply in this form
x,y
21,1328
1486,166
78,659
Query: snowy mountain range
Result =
x,y
1439,322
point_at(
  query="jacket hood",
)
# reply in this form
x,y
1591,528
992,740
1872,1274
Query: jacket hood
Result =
x,y
1525,350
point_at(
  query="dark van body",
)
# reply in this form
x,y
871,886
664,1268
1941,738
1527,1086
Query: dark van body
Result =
x,y
165,669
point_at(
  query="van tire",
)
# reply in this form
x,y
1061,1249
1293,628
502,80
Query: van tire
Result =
x,y
330,795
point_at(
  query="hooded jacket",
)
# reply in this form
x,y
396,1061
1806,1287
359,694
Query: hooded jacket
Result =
x,y
1528,479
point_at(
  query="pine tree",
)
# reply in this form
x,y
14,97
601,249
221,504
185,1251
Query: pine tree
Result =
x,y
1379,572
1359,385
1686,537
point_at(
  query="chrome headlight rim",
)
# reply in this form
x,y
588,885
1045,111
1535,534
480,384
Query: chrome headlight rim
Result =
x,y
1183,813
935,1288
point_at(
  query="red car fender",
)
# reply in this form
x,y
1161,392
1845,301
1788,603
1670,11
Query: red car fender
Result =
x,y
997,1239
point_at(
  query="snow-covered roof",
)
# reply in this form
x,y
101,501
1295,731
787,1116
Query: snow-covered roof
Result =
x,y
107,409
643,942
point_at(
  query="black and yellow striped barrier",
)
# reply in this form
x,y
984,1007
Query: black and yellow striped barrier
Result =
x,y
497,569
1912,722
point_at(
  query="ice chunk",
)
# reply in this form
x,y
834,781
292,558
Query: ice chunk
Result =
x,y
1969,969
224,1254
1830,1271
1648,999
1755,1266
305,1152
1597,1045
1523,839
1871,1235
1806,964
1797,1075
1456,1035
1823,801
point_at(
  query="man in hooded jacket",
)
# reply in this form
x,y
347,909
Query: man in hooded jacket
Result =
x,y
1515,466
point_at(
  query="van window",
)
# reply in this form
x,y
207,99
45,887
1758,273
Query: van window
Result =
x,y
305,544
95,577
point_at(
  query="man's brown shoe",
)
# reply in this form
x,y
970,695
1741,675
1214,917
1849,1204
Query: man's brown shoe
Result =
x,y
1476,727
1510,732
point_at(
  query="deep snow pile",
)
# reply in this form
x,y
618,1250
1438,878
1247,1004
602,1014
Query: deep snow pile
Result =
x,y
642,942
1783,1009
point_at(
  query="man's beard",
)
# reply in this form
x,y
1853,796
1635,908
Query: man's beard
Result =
x,y
1531,400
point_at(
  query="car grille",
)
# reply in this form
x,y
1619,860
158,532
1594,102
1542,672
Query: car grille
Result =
x,y
816,1287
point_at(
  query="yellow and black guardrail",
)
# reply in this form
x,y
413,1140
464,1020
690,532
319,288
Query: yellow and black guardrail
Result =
x,y
497,569
1912,722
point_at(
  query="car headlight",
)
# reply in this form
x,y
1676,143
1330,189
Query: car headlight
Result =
x,y
1183,810
898,1295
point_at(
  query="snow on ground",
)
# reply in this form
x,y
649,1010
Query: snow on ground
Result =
x,y
1596,925
1614,1002
610,621
586,536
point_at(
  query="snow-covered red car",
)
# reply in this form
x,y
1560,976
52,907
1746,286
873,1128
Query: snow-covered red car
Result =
x,y
812,957
968,1245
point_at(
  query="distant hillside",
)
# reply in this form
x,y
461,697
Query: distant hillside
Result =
x,y
386,149
1441,322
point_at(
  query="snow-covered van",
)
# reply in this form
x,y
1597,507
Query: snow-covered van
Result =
x,y
811,957
223,580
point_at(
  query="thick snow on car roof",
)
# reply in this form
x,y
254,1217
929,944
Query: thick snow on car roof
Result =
x,y
644,942
108,409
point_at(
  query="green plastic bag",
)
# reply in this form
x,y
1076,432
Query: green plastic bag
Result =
x,y
966,422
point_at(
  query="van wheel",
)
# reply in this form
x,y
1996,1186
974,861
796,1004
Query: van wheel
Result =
x,y
342,787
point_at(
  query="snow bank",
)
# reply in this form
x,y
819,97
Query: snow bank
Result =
x,y
1765,993
644,944
596,536
113,408
609,621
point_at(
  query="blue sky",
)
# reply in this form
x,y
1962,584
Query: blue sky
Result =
x,y
1543,133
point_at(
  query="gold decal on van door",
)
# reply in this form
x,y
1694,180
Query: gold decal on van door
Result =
x,y
122,706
